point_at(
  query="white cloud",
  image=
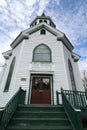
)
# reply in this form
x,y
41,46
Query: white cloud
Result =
x,y
30,2
17,14
57,1
42,5
82,65
82,51
3,3
14,33
72,23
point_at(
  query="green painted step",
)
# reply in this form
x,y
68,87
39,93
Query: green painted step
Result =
x,y
41,108
40,128
24,114
40,121
39,117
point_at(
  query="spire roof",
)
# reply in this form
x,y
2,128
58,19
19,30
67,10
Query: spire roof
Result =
x,y
43,14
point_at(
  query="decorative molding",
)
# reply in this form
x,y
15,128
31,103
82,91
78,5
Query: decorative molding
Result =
x,y
75,56
7,54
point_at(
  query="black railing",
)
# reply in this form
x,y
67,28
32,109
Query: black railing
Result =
x,y
7,112
72,113
76,98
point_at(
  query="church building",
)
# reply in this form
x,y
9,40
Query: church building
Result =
x,y
40,85
41,62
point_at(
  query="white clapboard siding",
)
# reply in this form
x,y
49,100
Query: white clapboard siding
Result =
x,y
24,66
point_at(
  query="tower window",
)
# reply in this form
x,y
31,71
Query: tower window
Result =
x,y
40,21
42,53
43,31
45,21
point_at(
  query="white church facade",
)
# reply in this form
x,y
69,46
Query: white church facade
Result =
x,y
41,62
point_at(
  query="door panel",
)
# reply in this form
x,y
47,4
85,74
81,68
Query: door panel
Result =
x,y
41,90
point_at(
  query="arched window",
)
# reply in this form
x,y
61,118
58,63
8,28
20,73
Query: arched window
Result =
x,y
43,31
9,75
71,76
42,53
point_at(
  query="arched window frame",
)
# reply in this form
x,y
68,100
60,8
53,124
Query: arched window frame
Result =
x,y
71,75
42,31
7,85
50,54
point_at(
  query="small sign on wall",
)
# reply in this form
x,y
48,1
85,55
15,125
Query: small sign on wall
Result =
x,y
23,79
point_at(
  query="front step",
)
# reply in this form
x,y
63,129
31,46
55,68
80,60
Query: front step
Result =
x,y
24,114
39,117
40,128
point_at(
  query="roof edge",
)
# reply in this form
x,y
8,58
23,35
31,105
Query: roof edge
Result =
x,y
7,54
19,38
66,42
75,57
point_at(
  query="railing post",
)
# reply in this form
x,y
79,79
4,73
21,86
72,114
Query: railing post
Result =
x,y
22,96
1,112
57,97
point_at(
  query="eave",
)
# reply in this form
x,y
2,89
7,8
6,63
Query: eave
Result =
x,y
25,35
19,38
66,42
75,57
7,54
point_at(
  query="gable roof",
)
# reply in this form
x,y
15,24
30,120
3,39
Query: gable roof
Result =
x,y
25,35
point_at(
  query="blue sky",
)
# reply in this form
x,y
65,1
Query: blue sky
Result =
x,y
70,17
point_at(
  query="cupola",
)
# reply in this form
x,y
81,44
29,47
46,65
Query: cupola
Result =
x,y
43,18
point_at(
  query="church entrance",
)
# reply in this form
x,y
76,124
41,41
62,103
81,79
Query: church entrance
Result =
x,y
41,89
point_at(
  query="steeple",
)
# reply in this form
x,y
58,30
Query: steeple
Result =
x,y
43,14
43,19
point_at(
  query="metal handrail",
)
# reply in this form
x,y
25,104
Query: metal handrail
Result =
x,y
7,112
73,114
76,98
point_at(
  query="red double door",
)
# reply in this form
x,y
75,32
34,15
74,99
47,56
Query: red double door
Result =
x,y
41,90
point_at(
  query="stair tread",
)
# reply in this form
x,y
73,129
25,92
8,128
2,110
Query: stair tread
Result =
x,y
39,118
38,105
40,112
40,127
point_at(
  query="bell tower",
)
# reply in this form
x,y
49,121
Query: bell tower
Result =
x,y
42,18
